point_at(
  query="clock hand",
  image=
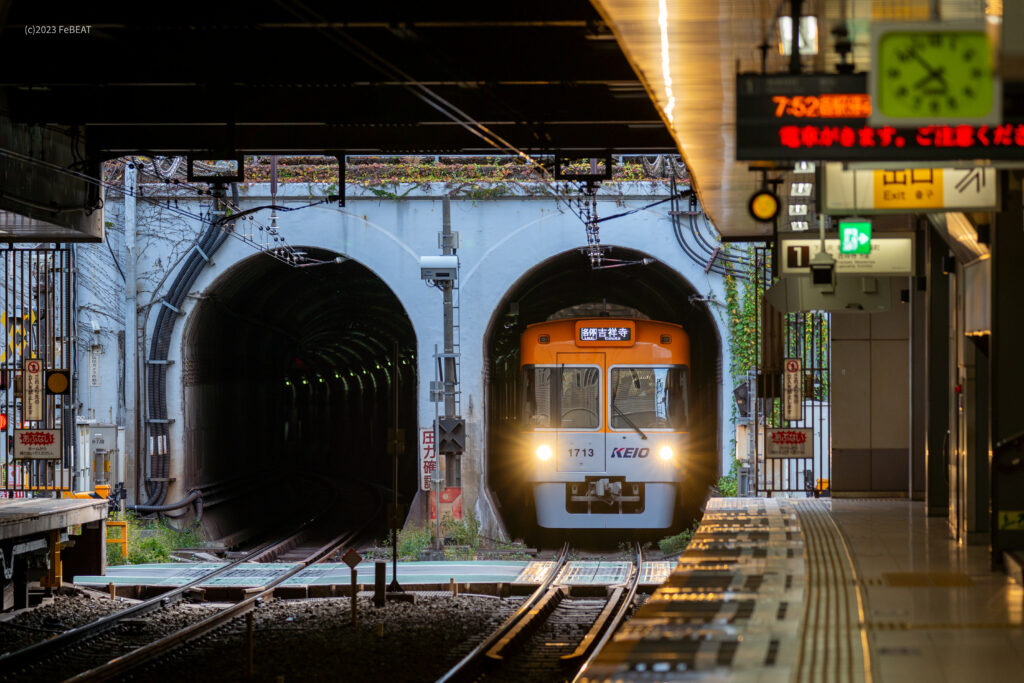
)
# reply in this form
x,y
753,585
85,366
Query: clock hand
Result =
x,y
932,71
936,75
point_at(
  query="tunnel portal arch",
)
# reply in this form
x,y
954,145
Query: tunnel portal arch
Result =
x,y
564,285
287,375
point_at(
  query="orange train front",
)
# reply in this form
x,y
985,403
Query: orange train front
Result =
x,y
604,411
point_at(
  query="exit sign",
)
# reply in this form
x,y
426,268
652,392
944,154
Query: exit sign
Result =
x,y
855,236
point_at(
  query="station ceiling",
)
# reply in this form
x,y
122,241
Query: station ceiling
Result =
x,y
323,75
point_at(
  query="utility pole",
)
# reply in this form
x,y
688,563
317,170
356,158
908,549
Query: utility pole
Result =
x,y
396,442
447,286
450,436
131,358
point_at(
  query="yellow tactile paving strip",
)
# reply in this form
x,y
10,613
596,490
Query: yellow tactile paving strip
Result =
x,y
833,637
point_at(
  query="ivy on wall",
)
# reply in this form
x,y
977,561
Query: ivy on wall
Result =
x,y
741,303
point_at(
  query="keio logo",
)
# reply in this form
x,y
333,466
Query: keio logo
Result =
x,y
630,452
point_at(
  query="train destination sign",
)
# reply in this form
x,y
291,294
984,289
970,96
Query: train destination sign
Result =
x,y
783,117
908,190
615,332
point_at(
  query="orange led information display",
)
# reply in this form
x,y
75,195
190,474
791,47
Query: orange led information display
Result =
x,y
847,106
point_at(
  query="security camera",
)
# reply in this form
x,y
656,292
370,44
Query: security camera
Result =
x,y
823,272
439,268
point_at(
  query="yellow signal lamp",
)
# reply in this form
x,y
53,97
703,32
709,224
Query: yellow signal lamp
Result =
x,y
763,205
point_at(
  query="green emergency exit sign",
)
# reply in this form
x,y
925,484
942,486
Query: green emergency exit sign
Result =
x,y
854,236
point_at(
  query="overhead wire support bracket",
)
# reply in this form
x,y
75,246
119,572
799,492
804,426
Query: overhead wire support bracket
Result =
x,y
201,253
168,305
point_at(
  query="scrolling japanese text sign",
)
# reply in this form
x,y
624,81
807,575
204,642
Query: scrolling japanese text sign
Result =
x,y
824,116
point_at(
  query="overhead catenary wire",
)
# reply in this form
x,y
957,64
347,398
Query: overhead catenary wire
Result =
x,y
282,252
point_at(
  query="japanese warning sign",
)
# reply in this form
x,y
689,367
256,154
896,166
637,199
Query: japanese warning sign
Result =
x,y
428,458
792,390
789,443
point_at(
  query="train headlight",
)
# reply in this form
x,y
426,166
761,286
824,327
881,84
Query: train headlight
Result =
x,y
665,453
544,452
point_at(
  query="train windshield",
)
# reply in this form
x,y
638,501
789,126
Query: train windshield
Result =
x,y
561,396
649,398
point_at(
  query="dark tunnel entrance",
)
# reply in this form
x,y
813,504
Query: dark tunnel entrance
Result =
x,y
288,392
565,286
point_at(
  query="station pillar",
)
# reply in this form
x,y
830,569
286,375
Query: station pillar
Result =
x,y
1006,372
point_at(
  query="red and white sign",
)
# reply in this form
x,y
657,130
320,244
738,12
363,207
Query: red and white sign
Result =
x,y
451,503
33,406
428,458
792,390
37,444
789,443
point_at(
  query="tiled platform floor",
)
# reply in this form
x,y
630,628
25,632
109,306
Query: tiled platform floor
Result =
x,y
935,612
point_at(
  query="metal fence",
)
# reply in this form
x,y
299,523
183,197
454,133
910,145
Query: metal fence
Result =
x,y
785,337
38,337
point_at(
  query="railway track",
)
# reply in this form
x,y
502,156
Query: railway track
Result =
x,y
118,643
551,636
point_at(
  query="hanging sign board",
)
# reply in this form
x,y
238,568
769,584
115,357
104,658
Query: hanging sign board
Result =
x,y
789,443
890,254
792,390
37,444
427,458
785,117
33,390
909,190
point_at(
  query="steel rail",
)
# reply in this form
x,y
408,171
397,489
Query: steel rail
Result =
x,y
470,663
39,651
620,614
125,663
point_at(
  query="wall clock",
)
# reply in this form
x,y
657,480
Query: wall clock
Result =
x,y
933,73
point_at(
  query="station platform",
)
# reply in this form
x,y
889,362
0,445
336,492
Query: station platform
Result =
x,y
335,578
823,590
36,526
24,517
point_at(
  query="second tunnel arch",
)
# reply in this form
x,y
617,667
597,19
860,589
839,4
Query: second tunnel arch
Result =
x,y
564,285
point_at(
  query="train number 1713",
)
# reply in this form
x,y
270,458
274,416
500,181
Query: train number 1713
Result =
x,y
581,452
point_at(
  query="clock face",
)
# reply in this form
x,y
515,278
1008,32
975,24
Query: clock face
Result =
x,y
926,74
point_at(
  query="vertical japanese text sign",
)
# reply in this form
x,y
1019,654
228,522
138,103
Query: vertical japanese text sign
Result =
x,y
428,458
792,390
33,390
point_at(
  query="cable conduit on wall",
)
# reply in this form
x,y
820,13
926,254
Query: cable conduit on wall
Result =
x,y
158,429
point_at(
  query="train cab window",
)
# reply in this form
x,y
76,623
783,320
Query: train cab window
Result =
x,y
565,397
649,398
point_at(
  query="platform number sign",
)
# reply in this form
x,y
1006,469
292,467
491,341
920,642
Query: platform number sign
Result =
x,y
854,236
